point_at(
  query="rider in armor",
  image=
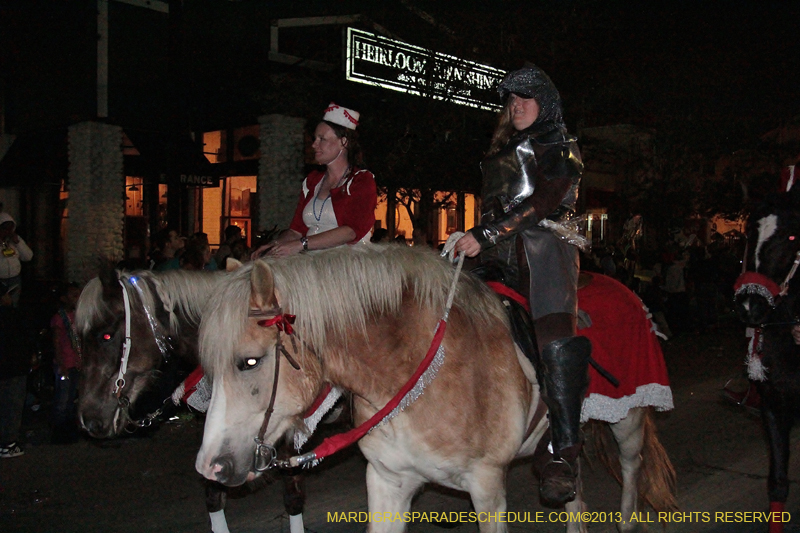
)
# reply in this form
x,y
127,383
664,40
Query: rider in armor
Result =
x,y
531,176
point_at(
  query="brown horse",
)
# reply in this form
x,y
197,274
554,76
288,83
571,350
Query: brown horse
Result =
x,y
365,316
161,313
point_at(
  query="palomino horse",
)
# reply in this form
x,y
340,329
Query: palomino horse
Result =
x,y
162,314
767,298
364,319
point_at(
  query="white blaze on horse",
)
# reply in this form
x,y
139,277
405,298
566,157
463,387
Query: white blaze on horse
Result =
x,y
365,317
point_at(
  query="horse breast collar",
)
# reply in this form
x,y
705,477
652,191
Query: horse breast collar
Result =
x,y
757,283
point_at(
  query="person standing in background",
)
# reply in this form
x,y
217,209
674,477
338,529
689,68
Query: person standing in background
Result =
x,y
14,252
66,364
15,363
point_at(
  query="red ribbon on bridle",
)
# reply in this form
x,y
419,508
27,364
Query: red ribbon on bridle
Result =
x,y
282,321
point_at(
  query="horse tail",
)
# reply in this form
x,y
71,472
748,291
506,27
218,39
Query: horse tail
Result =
x,y
657,479
657,483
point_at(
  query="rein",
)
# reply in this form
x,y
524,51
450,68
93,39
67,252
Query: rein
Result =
x,y
266,455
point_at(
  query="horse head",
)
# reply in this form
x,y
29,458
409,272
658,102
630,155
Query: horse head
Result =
x,y
243,338
765,290
110,313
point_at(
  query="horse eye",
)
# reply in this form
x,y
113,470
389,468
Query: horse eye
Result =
x,y
791,237
249,363
105,337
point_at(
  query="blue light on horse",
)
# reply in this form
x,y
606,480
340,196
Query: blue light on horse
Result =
x,y
767,298
364,319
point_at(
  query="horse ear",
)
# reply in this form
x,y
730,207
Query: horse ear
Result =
x,y
232,264
262,287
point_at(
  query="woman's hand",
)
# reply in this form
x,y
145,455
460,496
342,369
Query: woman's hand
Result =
x,y
468,245
285,248
796,334
263,249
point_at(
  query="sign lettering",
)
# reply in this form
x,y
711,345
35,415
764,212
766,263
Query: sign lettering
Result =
x,y
199,181
391,64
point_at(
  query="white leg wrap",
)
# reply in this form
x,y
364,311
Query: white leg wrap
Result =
x,y
218,523
296,523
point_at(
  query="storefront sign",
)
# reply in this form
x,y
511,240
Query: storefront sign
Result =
x,y
199,181
383,62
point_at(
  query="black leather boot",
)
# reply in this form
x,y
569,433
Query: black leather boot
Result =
x,y
564,380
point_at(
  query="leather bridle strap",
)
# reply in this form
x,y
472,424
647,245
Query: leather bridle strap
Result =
x,y
265,454
126,345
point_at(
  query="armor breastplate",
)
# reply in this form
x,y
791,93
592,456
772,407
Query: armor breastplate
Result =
x,y
510,175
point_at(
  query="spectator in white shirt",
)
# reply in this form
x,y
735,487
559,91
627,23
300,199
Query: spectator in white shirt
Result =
x,y
14,251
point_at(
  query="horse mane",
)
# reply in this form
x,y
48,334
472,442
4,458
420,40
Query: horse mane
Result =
x,y
339,291
183,294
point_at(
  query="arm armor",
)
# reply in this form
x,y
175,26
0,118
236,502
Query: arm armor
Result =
x,y
556,173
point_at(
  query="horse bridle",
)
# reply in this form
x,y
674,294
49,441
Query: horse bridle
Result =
x,y
162,341
266,456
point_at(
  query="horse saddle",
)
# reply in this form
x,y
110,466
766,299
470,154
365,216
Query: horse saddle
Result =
x,y
494,275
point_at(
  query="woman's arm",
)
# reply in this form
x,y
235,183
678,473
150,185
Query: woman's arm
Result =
x,y
355,205
320,241
285,240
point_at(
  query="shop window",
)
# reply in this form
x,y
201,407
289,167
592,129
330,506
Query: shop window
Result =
x,y
446,217
241,191
245,142
134,197
135,232
229,204
163,190
212,214
213,146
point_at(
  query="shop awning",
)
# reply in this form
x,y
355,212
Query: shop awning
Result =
x,y
35,158
161,153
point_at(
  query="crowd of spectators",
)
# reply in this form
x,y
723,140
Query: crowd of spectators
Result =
x,y
685,283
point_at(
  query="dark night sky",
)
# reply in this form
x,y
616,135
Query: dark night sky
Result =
x,y
727,70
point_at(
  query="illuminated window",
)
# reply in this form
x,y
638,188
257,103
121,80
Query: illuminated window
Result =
x,y
134,197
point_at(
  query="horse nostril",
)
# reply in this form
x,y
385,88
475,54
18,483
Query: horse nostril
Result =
x,y
94,427
222,468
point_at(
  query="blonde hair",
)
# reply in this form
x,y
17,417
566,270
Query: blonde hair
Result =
x,y
503,131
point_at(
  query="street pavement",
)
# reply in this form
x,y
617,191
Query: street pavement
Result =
x,y
148,483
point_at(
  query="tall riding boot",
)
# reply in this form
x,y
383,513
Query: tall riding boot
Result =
x,y
565,378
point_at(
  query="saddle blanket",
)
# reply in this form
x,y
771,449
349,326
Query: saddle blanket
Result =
x,y
624,343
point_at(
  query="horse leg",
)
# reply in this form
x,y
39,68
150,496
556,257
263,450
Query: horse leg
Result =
x,y
488,493
294,498
389,493
216,495
778,426
629,434
577,506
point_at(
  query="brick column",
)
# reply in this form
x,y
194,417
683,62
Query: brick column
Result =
x,y
96,204
280,169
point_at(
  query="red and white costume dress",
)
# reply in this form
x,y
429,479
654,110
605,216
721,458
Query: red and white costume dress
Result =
x,y
351,204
